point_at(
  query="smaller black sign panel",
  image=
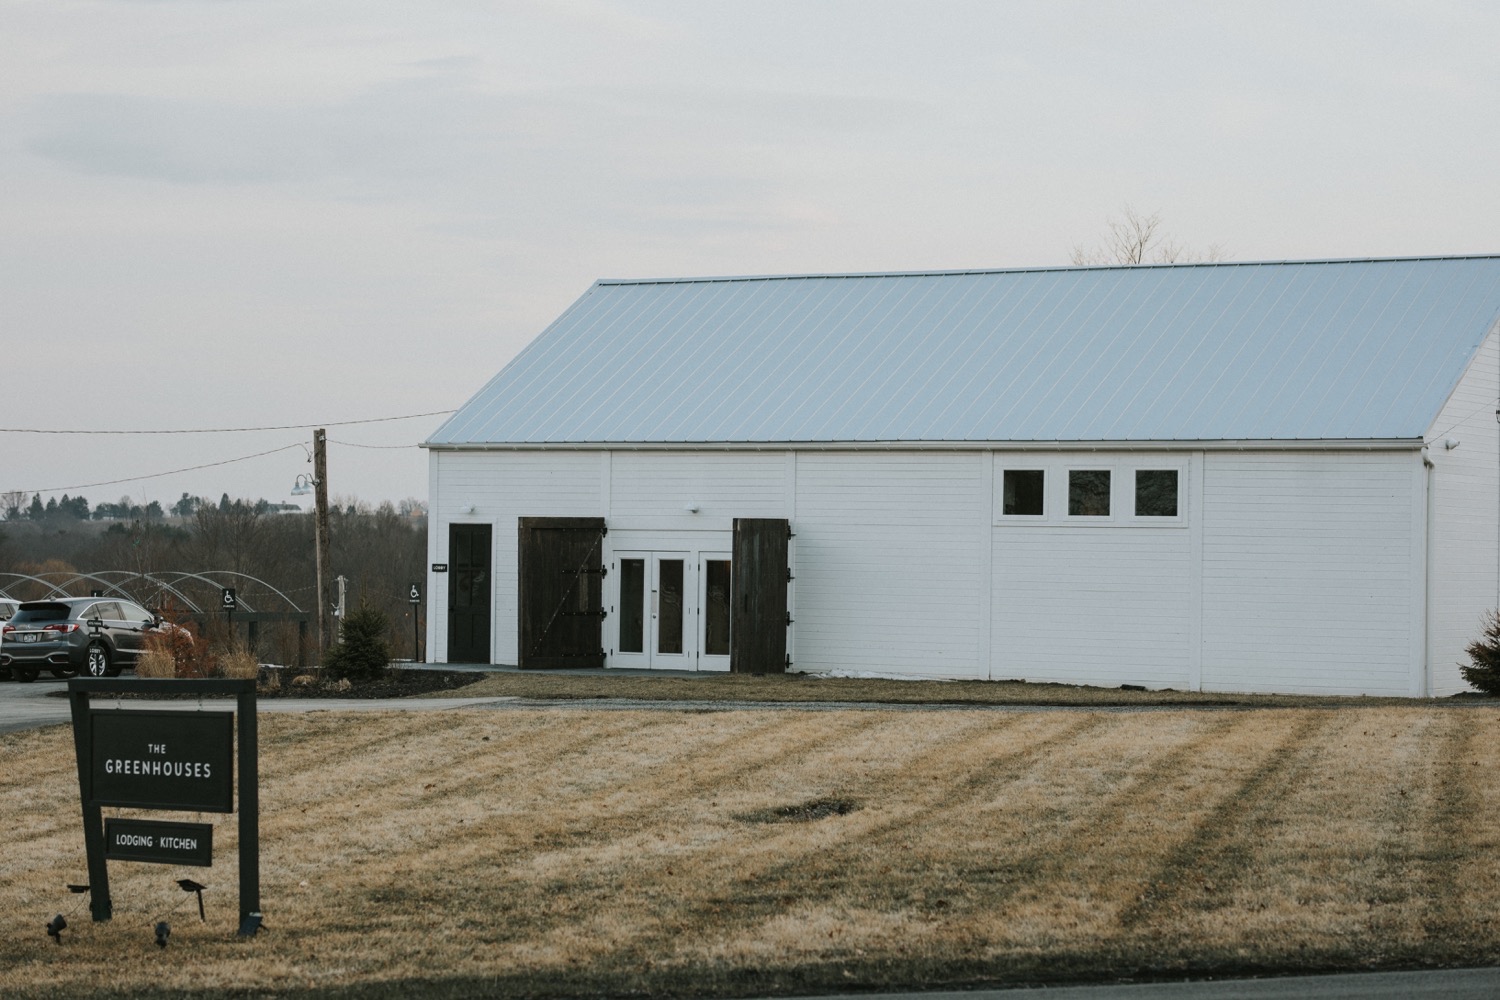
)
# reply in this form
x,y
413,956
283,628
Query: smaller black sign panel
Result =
x,y
228,599
159,843
414,593
163,760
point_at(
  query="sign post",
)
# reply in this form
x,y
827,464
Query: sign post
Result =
x,y
414,597
170,760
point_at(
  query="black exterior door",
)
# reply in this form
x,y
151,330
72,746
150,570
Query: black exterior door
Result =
x,y
469,593
561,592
759,565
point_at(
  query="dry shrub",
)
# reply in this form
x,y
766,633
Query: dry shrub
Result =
x,y
180,643
238,662
155,662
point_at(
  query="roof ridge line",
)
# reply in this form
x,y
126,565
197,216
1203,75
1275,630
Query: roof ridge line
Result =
x,y
955,272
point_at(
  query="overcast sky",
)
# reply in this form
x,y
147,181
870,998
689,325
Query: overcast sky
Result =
x,y
242,214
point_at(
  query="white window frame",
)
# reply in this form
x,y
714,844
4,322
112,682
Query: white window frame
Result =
x,y
1055,469
1067,490
1147,520
1048,476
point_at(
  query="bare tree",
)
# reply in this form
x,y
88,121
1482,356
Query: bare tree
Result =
x,y
1138,239
10,504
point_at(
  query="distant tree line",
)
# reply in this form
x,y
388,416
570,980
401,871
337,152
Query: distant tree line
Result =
x,y
14,507
380,550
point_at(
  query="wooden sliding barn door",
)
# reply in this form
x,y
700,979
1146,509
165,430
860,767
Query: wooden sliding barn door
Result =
x,y
760,569
561,592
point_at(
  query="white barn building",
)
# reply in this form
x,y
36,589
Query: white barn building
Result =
x,y
1276,477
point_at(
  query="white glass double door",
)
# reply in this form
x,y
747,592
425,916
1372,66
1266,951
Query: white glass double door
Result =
x,y
670,610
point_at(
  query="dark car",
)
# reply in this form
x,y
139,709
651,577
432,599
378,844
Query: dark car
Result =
x,y
7,608
67,635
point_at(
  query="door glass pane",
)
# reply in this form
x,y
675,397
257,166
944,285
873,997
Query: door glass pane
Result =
x,y
669,620
632,605
716,607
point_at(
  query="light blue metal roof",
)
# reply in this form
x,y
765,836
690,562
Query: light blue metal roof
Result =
x,y
1312,350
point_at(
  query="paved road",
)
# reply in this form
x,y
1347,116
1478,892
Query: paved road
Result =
x,y
1443,984
31,706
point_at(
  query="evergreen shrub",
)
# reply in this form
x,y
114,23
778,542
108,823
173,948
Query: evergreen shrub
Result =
x,y
361,654
1483,671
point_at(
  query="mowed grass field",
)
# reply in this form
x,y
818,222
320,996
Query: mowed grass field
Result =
x,y
565,852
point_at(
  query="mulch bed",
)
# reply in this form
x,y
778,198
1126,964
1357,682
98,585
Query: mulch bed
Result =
x,y
395,683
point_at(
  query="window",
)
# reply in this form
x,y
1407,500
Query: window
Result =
x,y
1088,493
1023,492
1156,493
716,607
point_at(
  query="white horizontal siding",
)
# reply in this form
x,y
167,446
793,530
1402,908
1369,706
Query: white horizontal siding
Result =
x,y
888,562
1083,605
1307,572
721,485
503,487
1465,496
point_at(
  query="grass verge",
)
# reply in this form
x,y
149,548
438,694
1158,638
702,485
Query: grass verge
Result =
x,y
789,688
538,853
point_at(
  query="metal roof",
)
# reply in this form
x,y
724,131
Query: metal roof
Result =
x,y
1310,350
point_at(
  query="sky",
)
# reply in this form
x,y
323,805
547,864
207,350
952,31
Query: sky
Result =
x,y
219,214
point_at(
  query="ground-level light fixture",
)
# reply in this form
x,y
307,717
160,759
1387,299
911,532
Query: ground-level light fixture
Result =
x,y
163,930
55,927
188,885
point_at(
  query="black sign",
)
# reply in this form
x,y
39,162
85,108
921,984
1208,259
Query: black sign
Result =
x,y
163,760
414,593
440,567
228,601
159,843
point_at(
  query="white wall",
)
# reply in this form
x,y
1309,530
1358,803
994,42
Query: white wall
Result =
x,y
887,562
1284,571
1308,581
1094,601
502,487
1464,519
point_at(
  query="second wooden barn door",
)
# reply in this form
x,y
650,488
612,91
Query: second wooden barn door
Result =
x,y
561,592
760,568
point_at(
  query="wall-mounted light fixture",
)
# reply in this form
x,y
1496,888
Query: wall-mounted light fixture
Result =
x,y
1450,443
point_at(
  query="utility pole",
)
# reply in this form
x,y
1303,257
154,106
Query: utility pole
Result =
x,y
320,530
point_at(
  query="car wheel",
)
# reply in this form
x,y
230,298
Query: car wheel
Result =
x,y
4,673
25,674
63,673
98,660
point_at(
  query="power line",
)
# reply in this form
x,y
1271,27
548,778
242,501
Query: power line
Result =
x,y
229,430
351,444
158,475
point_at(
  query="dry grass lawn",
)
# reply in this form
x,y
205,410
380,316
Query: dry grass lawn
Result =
x,y
569,852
